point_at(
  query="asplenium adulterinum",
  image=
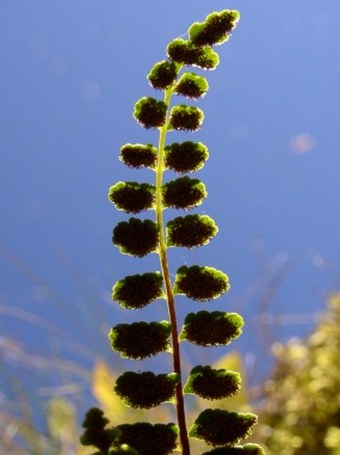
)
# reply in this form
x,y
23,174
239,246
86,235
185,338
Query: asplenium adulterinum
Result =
x,y
138,237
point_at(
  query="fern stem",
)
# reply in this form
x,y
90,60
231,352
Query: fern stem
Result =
x,y
183,434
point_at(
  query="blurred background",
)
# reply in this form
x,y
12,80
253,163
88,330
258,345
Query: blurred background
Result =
x,y
71,73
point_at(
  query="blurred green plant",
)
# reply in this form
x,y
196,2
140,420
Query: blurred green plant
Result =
x,y
300,413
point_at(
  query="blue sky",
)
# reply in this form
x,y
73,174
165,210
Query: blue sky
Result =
x,y
71,73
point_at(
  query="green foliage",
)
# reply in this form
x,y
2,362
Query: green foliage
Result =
x,y
186,118
186,53
212,384
201,283
149,439
211,328
137,237
301,410
215,29
163,74
150,113
138,155
152,338
96,434
146,390
183,193
190,231
185,157
218,427
192,86
137,291
132,197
